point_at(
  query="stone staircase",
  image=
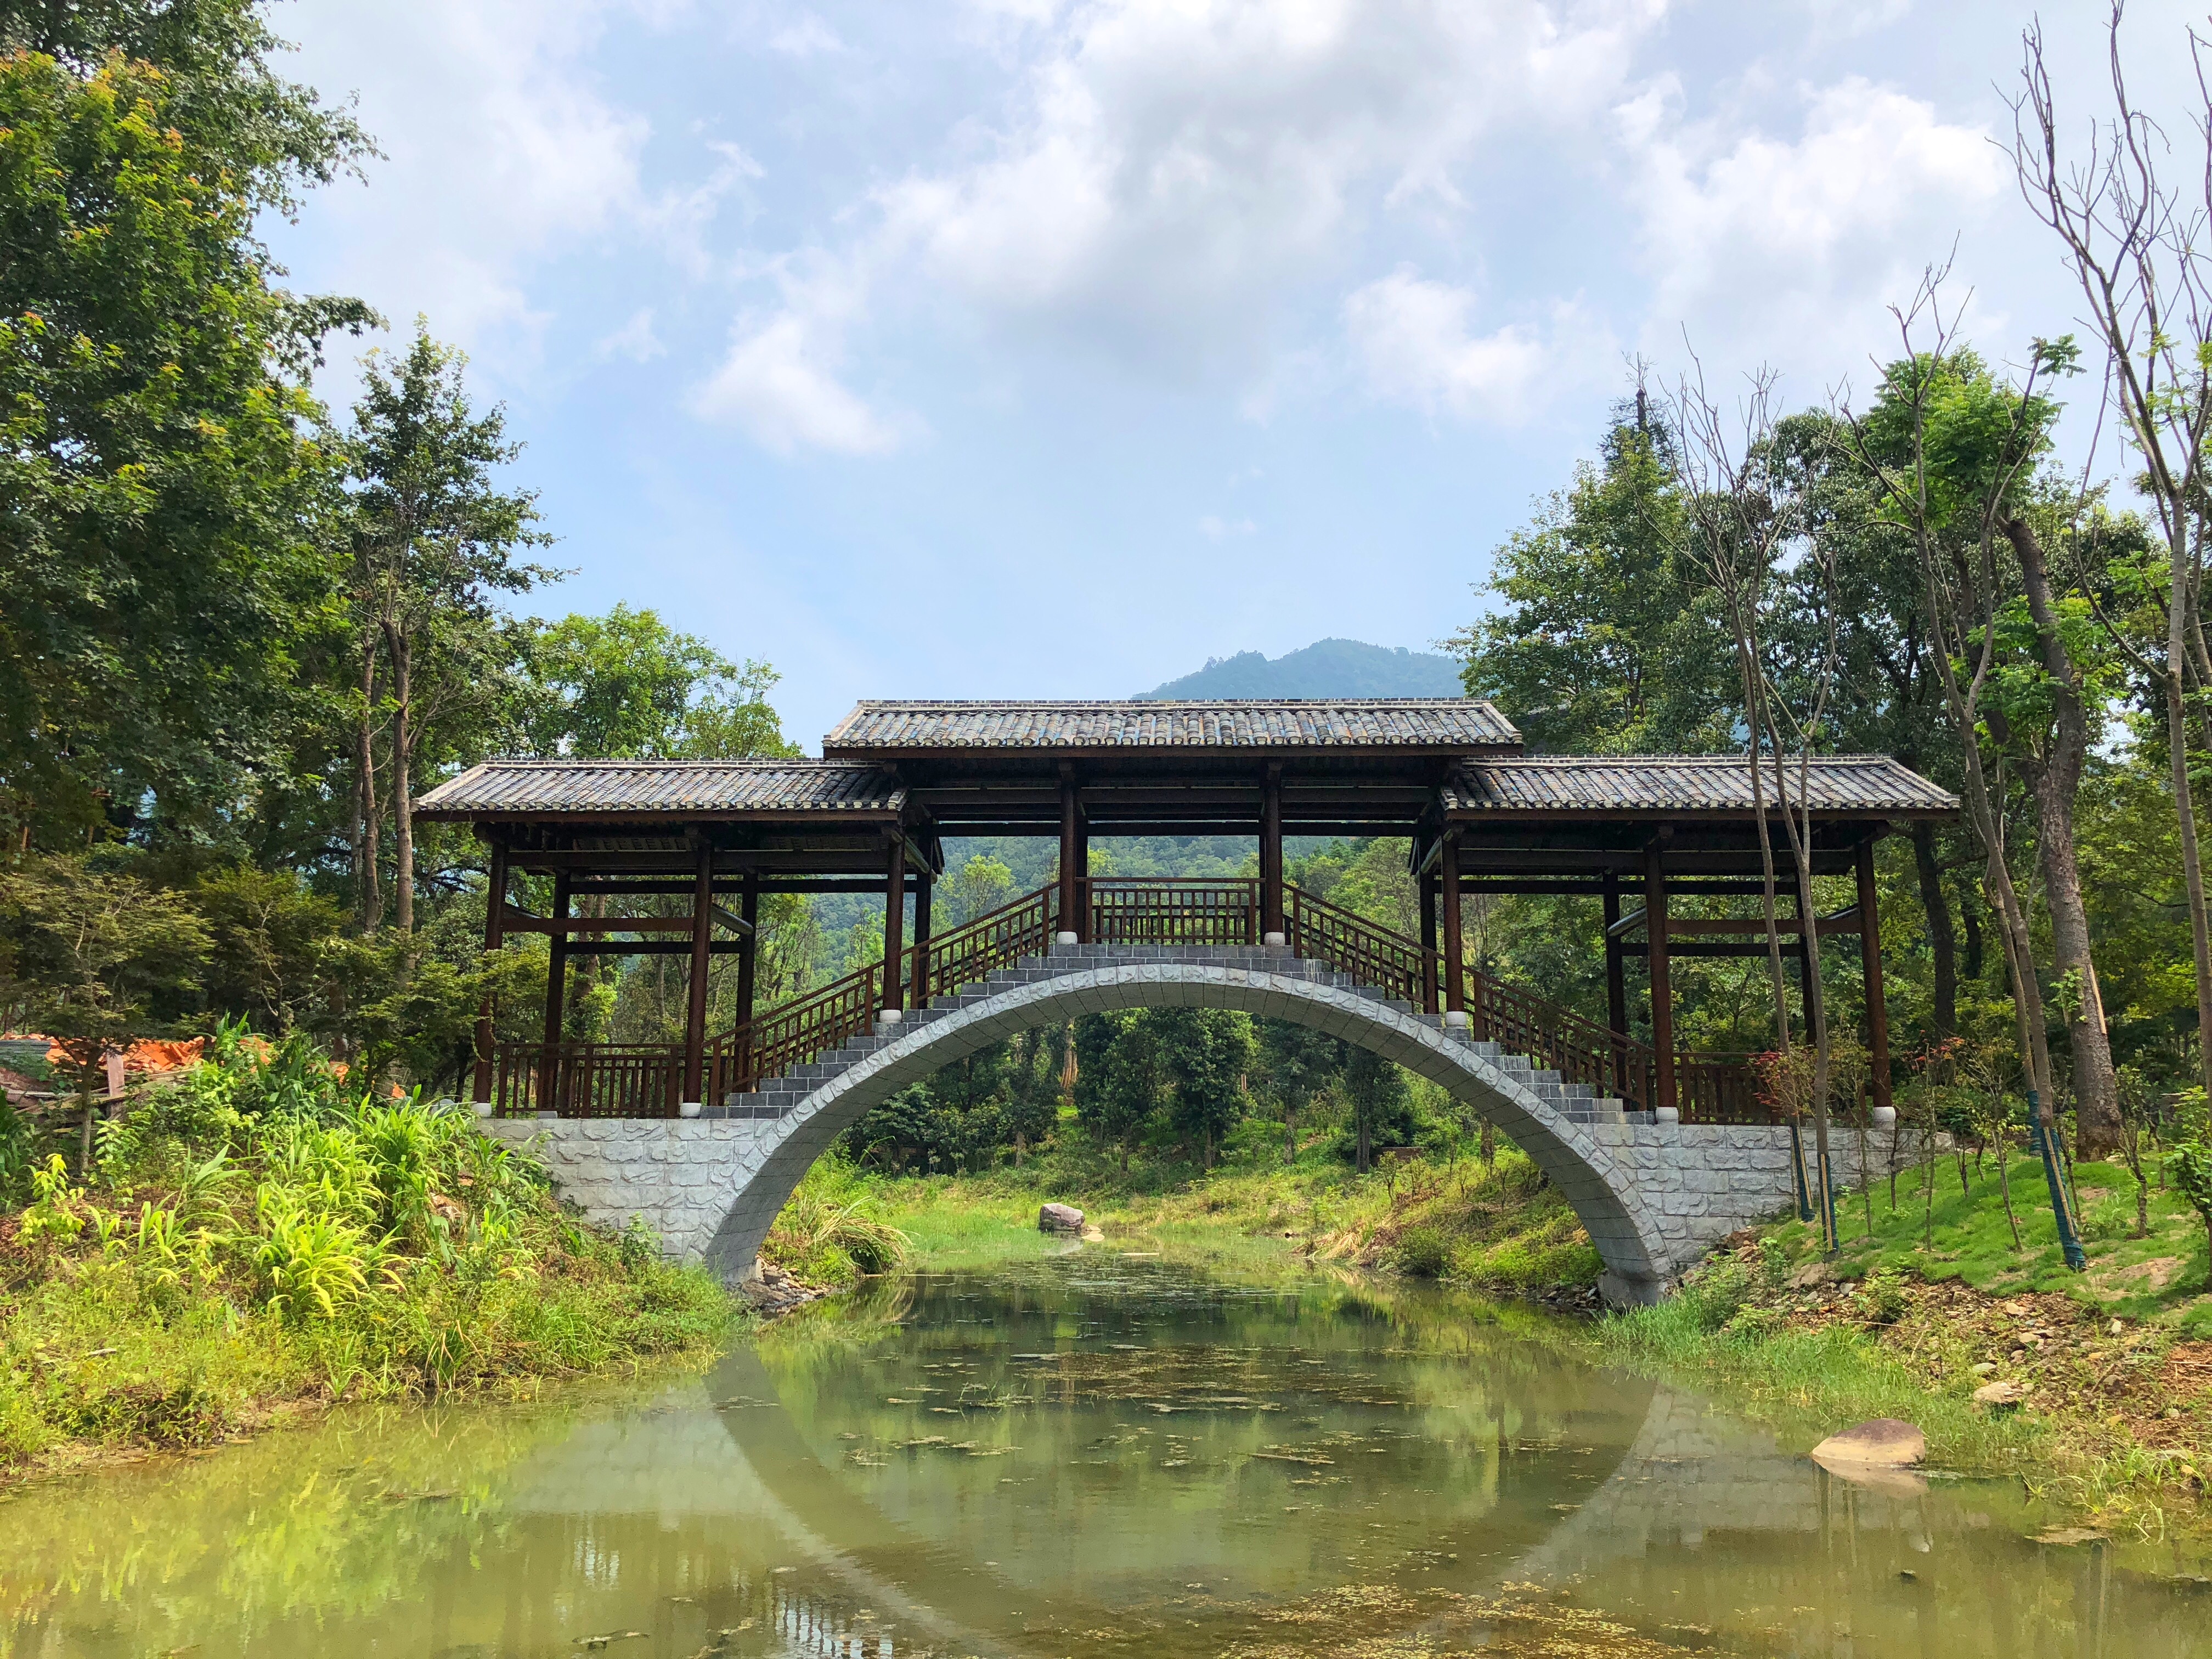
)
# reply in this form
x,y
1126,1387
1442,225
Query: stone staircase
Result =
x,y
777,1097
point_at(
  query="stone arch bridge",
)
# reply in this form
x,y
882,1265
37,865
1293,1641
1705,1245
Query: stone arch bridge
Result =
x,y
1669,855
1654,1196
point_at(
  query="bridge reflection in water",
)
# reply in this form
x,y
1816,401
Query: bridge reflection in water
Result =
x,y
1091,1457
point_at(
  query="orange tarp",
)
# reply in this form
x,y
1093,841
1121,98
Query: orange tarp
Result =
x,y
150,1054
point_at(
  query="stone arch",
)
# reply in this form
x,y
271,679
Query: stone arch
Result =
x,y
1628,1236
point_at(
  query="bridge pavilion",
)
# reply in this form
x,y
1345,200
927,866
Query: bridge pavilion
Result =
x,y
897,779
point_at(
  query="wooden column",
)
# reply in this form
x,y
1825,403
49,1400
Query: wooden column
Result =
x,y
1455,944
494,937
695,1009
748,947
1662,986
748,956
1616,984
1429,944
1870,965
1271,851
895,924
556,980
1071,854
924,887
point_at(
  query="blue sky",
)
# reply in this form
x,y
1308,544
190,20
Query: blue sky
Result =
x,y
1000,348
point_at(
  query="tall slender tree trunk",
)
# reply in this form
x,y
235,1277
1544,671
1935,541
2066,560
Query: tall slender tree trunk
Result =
x,y
2055,780
402,799
1942,941
368,853
2192,864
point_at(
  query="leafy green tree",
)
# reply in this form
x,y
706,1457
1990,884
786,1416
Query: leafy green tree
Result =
x,y
162,492
978,887
1205,1053
435,540
1296,1063
268,933
1603,642
1382,1105
1121,1078
628,686
1955,448
86,955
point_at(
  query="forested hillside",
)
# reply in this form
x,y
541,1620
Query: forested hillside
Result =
x,y
1326,668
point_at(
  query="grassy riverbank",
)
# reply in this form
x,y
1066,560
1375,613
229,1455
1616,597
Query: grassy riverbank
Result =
x,y
253,1244
1930,1298
1498,1227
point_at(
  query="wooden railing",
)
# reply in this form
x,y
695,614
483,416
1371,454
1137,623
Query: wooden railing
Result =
x,y
1708,1088
588,1079
1351,944
646,1080
772,1044
1142,910
973,951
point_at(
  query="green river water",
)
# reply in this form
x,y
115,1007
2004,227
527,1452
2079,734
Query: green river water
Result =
x,y
1096,1455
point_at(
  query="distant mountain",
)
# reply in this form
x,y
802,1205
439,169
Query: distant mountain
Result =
x,y
1328,668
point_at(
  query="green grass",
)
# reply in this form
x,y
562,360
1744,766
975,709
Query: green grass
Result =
x,y
2163,1276
1501,1228
253,1243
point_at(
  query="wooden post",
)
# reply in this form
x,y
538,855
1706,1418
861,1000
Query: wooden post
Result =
x,y
1071,850
748,956
1877,1001
1662,986
494,937
895,923
1429,944
1616,983
556,975
1084,928
1271,854
923,888
695,1013
1455,944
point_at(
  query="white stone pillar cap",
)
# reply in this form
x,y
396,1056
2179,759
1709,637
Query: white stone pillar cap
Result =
x,y
1274,941
688,1109
1667,1115
1456,1019
1063,938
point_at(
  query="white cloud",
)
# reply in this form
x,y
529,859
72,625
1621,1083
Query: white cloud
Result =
x,y
1217,529
1790,248
499,144
780,380
1412,343
635,340
1169,171
805,36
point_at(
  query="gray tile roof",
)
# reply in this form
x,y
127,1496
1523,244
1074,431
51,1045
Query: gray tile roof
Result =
x,y
1686,783
503,787
1272,723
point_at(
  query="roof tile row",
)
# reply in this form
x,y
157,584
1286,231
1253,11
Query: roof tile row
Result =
x,y
504,787
1648,783
1330,723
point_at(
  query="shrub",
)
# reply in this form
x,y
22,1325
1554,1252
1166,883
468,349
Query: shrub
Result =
x,y
1752,1324
1424,1253
1882,1299
1717,1292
